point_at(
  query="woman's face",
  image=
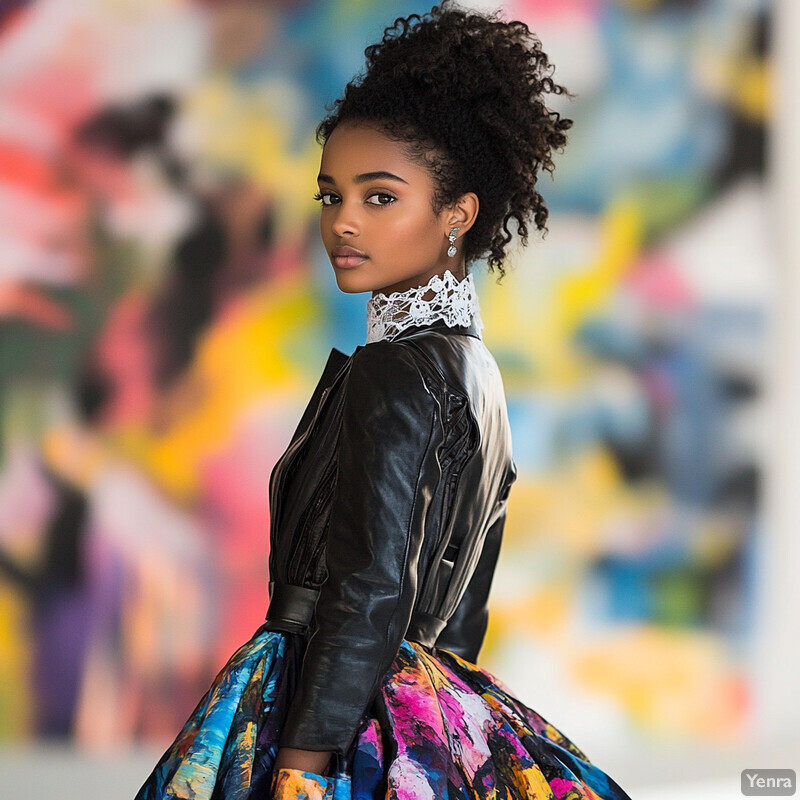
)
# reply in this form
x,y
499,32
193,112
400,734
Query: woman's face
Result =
x,y
377,221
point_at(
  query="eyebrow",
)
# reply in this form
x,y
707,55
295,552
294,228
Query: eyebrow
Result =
x,y
364,177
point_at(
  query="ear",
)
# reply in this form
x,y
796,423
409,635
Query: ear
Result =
x,y
462,213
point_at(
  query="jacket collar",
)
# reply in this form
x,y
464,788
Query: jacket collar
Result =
x,y
333,369
440,326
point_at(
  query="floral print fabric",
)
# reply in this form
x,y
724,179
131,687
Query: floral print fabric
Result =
x,y
439,727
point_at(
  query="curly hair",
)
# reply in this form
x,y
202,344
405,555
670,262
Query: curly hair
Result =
x,y
463,92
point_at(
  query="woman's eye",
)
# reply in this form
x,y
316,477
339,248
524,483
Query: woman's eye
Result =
x,y
383,199
326,198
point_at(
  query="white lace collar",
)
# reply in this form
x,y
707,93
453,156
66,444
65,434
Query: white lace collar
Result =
x,y
454,302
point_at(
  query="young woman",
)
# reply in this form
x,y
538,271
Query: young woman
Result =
x,y
387,508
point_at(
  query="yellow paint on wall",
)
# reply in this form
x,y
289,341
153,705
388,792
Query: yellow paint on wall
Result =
x,y
243,357
588,291
671,681
541,330
16,700
236,128
751,91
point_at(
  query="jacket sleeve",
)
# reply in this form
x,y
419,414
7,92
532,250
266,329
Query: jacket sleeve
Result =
x,y
387,472
466,628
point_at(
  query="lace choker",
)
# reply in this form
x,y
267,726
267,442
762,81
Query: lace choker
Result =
x,y
454,302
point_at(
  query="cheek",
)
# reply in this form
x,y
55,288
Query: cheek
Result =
x,y
329,238
419,228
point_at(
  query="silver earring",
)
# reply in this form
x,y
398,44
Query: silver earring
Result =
x,y
451,237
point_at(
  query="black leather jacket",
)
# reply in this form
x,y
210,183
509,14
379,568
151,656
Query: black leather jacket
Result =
x,y
387,511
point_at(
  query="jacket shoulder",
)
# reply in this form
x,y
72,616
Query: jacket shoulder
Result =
x,y
389,366
461,362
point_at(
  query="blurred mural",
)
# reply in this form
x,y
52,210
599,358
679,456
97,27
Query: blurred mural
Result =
x,y
166,308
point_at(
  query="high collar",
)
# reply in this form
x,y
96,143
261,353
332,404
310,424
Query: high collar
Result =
x,y
452,304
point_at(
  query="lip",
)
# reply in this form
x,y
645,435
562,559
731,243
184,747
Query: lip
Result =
x,y
345,256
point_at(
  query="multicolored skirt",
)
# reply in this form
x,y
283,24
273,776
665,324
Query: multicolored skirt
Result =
x,y
439,727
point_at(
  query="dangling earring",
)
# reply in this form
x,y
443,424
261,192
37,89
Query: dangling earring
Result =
x,y
451,237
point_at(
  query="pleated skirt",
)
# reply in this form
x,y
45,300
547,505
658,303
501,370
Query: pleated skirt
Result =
x,y
439,727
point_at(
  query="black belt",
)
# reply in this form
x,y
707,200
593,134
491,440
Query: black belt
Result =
x,y
291,608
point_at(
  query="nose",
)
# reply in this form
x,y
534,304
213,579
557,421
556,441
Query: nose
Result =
x,y
345,222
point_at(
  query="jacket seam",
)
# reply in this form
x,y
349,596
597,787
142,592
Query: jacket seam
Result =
x,y
473,423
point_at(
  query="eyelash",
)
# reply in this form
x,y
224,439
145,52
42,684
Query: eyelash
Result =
x,y
320,195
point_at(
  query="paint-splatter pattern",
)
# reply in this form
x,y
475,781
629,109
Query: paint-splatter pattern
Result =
x,y
439,728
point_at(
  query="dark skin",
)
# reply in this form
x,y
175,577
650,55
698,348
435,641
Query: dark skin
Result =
x,y
378,201
388,215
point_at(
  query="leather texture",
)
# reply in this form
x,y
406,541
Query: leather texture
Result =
x,y
388,507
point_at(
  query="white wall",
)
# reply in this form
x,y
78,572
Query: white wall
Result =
x,y
777,655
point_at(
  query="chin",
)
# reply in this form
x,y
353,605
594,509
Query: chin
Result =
x,y
350,283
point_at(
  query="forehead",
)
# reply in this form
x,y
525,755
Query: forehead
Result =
x,y
355,149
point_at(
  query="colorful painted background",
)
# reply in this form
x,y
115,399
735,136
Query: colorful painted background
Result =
x,y
166,308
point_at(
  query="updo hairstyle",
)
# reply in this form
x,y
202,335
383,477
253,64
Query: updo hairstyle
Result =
x,y
464,92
